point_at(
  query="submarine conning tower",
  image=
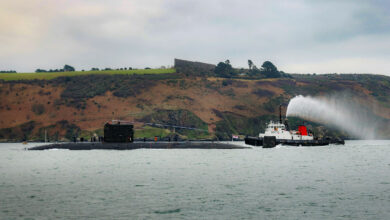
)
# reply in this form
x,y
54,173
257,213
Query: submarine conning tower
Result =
x,y
118,131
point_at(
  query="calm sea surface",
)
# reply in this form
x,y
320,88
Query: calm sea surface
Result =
x,y
332,182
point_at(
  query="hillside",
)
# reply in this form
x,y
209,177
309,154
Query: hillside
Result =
x,y
68,106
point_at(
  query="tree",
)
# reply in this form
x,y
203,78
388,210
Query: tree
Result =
x,y
254,71
269,67
40,71
7,71
250,64
224,69
270,70
68,68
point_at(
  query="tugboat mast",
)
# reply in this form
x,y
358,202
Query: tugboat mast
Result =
x,y
280,114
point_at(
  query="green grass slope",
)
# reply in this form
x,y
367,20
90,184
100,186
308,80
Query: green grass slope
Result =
x,y
52,75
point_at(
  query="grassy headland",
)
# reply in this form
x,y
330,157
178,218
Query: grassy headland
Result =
x,y
52,75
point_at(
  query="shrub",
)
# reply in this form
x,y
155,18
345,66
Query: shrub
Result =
x,y
263,93
38,109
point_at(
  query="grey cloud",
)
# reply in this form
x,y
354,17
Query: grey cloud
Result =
x,y
293,34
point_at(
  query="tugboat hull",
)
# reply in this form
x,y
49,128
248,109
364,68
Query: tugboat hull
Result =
x,y
266,142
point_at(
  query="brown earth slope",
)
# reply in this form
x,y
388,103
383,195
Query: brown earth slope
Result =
x,y
79,107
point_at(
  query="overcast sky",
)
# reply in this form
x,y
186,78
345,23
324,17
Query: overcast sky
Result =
x,y
313,36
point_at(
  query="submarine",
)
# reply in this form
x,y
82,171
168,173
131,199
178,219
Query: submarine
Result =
x,y
119,135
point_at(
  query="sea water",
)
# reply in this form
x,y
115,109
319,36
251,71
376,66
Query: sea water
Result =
x,y
329,182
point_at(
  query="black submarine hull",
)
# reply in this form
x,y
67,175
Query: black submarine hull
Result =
x,y
137,145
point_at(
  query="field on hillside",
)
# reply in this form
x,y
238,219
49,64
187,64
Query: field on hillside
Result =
x,y
52,75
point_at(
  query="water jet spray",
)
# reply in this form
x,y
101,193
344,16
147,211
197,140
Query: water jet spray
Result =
x,y
334,111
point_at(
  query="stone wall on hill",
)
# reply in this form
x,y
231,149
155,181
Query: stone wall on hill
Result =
x,y
194,68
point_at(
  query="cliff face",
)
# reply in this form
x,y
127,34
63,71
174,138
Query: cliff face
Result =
x,y
80,105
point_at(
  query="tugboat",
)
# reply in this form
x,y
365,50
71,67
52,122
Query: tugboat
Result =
x,y
279,133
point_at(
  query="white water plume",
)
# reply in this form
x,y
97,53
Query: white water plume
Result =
x,y
338,112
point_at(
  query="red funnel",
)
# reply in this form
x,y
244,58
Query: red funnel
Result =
x,y
302,129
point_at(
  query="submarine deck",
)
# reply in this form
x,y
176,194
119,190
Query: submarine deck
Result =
x,y
138,145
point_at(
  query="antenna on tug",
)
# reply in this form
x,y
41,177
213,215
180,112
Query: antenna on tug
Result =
x,y
280,114
285,119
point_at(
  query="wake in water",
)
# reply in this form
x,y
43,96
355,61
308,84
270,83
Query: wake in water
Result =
x,y
337,112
